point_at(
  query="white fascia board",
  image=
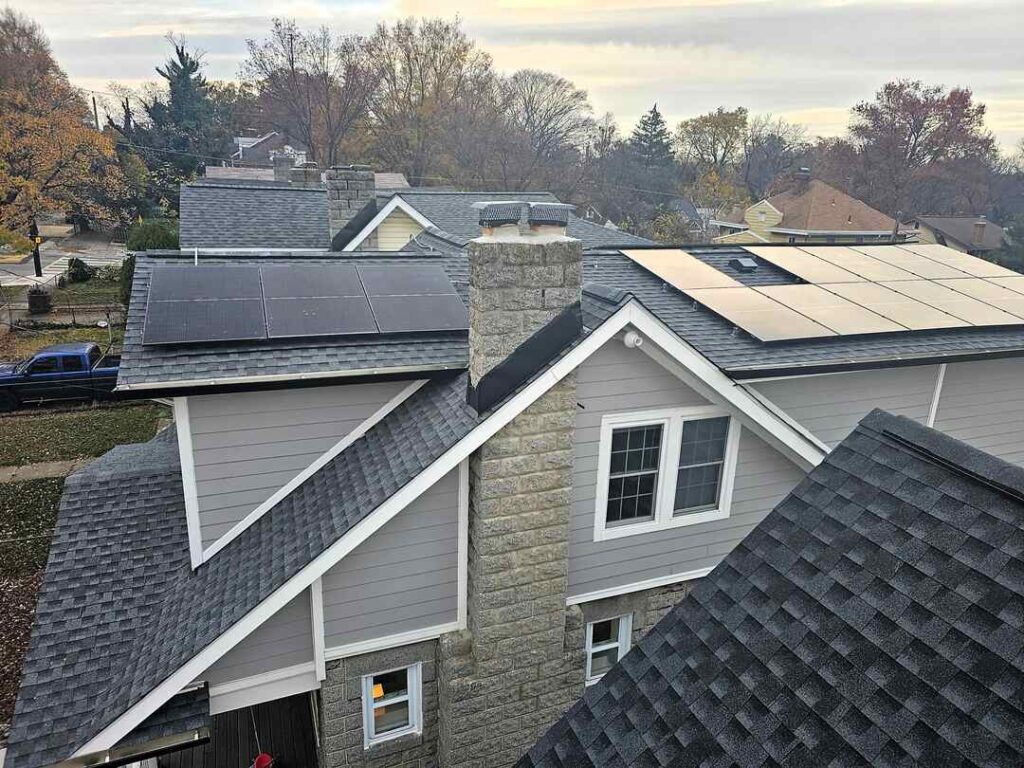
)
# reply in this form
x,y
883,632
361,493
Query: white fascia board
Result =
x,y
637,586
728,224
835,232
394,203
633,314
286,490
183,428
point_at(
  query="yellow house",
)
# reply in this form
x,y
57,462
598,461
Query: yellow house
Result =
x,y
810,211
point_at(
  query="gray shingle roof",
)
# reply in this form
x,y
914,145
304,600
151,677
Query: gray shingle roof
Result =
x,y
186,610
250,214
183,364
742,355
961,229
875,617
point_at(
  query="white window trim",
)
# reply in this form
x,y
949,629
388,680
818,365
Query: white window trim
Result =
x,y
414,683
623,642
672,420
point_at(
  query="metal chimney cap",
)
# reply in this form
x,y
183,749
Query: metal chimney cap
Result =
x,y
500,212
550,213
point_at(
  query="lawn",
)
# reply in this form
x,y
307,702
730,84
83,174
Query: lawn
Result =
x,y
30,437
94,291
23,342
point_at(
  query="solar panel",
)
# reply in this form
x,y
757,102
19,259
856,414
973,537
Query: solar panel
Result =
x,y
392,280
899,308
989,292
310,281
319,317
177,322
858,263
208,282
804,265
832,311
953,302
964,262
680,269
405,314
910,261
1015,283
759,315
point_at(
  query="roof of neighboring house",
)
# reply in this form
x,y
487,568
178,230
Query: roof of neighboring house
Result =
x,y
238,172
252,214
875,617
817,207
120,539
961,229
390,180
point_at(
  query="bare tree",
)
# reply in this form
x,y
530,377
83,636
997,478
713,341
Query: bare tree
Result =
x,y
771,148
313,85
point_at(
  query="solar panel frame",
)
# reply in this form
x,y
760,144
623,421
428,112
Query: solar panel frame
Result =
x,y
945,299
868,267
310,281
420,314
331,316
830,310
757,314
680,269
203,321
909,261
177,283
804,265
896,306
395,280
970,265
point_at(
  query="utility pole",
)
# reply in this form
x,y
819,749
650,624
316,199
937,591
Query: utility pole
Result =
x,y
95,112
33,232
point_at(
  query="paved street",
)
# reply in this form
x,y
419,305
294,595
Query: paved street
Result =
x,y
93,248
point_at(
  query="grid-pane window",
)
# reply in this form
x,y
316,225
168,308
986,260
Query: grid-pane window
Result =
x,y
391,704
607,642
701,460
633,473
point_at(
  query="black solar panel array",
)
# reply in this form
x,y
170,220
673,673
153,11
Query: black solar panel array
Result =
x,y
208,304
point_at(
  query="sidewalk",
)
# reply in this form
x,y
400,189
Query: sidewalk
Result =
x,y
41,470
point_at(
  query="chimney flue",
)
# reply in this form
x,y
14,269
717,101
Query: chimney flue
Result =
x,y
979,230
283,164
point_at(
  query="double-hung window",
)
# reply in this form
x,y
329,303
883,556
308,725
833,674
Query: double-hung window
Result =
x,y
392,704
607,642
660,469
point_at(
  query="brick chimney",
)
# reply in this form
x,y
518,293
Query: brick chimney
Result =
x,y
349,189
509,676
283,164
305,175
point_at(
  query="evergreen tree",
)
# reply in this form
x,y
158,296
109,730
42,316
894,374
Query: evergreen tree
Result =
x,y
651,140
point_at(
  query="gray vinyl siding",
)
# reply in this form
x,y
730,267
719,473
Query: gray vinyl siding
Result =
x,y
248,445
283,640
403,578
618,380
982,403
830,406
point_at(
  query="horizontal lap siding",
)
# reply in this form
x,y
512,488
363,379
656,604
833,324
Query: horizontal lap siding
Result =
x,y
401,579
982,403
246,446
283,640
395,232
830,406
619,380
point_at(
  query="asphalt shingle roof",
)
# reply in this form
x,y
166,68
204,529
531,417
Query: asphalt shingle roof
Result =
x,y
252,214
875,617
961,229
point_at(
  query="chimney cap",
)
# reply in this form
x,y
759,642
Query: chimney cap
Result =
x,y
550,213
498,213
495,213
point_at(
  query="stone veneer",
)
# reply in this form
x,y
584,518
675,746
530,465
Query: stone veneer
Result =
x,y
349,189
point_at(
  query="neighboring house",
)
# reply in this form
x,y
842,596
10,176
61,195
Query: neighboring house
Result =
x,y
260,150
812,211
873,618
397,534
975,235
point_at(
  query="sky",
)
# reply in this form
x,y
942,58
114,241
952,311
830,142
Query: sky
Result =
x,y
808,61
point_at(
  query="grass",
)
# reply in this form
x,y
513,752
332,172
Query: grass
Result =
x,y
34,437
94,291
26,341
28,513
17,606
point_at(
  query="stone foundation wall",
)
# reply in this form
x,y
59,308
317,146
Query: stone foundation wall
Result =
x,y
341,712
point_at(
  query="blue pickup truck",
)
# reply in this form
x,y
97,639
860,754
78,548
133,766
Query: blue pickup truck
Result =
x,y
79,371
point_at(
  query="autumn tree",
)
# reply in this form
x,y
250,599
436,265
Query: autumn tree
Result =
x,y
51,155
713,141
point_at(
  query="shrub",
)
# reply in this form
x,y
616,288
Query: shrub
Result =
x,y
127,273
109,273
78,271
153,234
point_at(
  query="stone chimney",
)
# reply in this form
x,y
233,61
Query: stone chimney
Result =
x,y
511,674
305,175
979,231
283,164
349,189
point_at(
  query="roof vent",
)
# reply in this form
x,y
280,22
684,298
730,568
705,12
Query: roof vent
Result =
x,y
743,264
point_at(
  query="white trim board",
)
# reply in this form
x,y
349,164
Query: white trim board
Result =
x,y
188,480
324,458
638,586
933,408
316,615
778,433
390,641
394,203
267,686
462,612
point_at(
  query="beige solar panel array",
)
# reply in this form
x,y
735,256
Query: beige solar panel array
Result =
x,y
989,292
922,266
759,315
964,262
953,303
898,307
680,269
804,265
830,310
859,263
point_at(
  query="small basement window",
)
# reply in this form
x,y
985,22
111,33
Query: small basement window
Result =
x,y
661,469
392,704
607,642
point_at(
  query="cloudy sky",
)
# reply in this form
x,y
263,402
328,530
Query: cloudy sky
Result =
x,y
807,60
